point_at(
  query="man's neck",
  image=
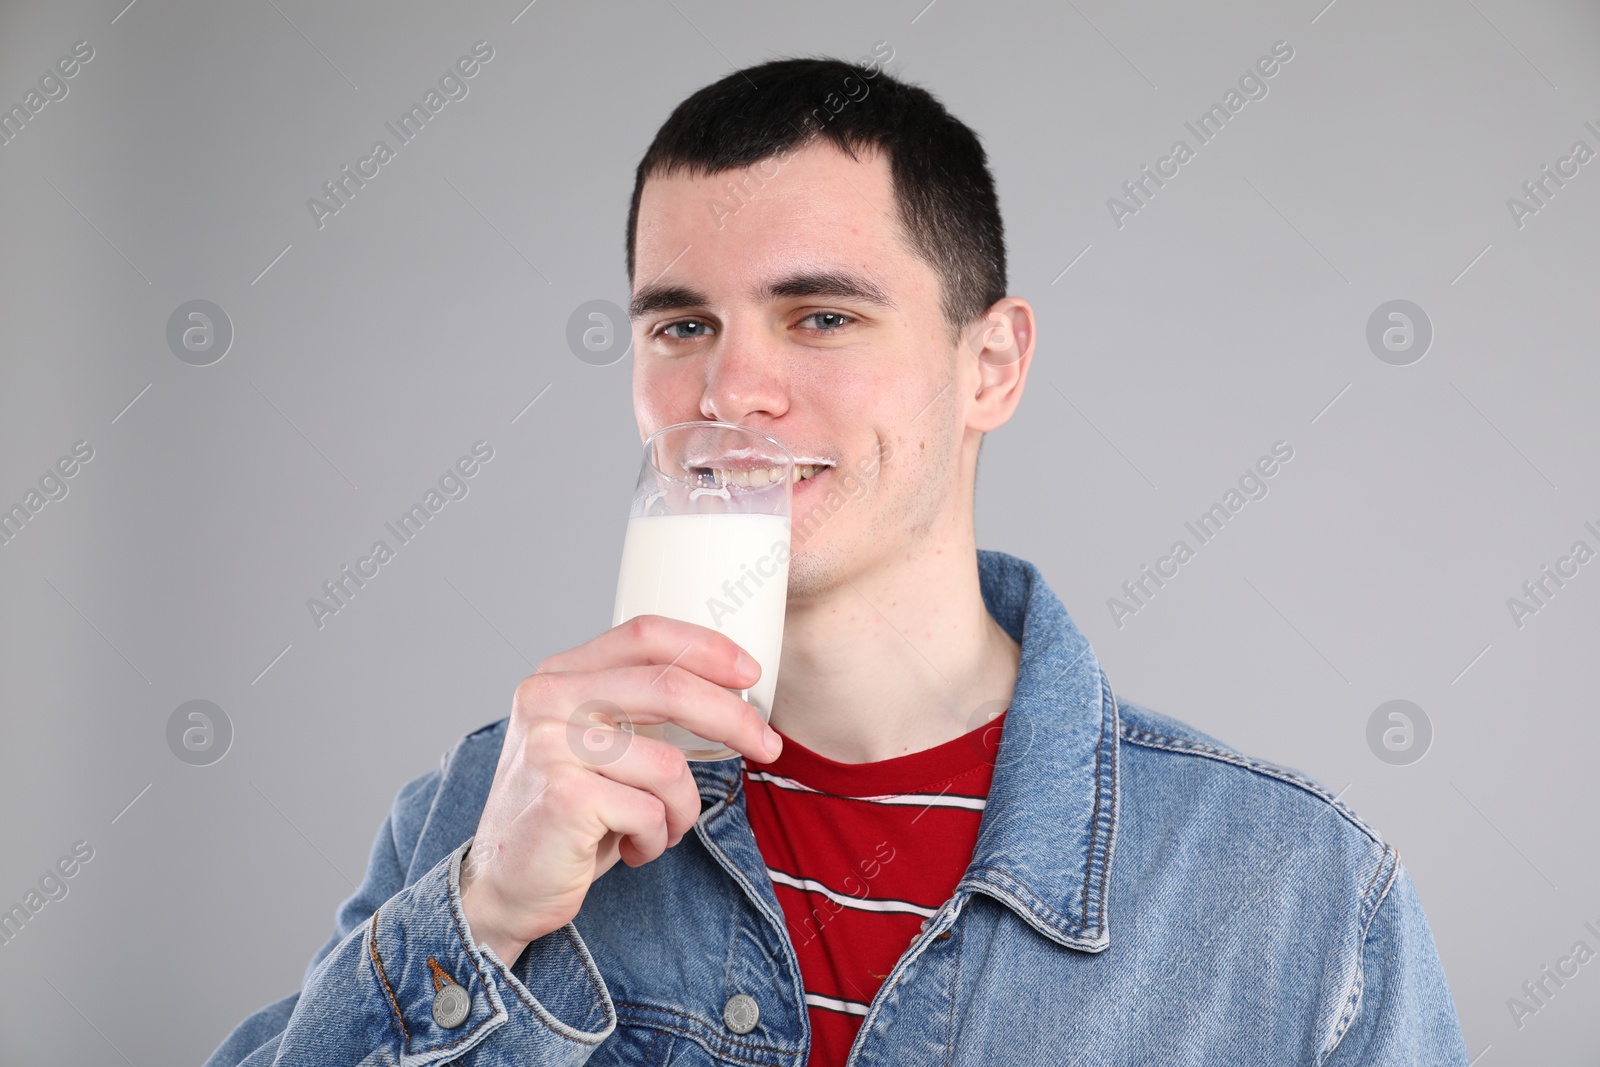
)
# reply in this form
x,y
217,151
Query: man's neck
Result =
x,y
896,660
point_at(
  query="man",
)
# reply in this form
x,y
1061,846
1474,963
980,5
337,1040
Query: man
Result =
x,y
967,850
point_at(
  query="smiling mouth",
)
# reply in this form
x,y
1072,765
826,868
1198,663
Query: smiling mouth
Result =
x,y
756,477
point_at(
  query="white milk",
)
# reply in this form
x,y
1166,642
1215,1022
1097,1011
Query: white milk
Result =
x,y
690,567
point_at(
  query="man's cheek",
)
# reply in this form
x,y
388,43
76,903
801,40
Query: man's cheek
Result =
x,y
869,466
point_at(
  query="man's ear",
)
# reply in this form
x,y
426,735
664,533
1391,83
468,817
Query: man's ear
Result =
x,y
1000,344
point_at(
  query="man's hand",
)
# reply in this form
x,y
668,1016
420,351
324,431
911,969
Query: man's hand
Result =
x,y
557,817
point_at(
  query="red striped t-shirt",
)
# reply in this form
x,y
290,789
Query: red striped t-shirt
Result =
x,y
860,854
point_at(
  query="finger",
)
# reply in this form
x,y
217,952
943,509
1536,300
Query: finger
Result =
x,y
658,639
651,694
637,816
645,763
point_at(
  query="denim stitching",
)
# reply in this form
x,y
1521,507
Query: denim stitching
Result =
x,y
955,985
1178,744
650,1053
1094,820
1389,861
699,1038
1031,904
588,970
462,937
1111,818
372,948
577,1040
1096,846
1099,844
1154,740
440,975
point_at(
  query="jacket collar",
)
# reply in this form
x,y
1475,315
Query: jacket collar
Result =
x,y
1048,831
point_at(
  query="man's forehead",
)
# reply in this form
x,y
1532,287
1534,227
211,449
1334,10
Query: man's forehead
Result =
x,y
808,230
776,197
817,158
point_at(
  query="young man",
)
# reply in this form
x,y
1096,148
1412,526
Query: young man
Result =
x,y
968,850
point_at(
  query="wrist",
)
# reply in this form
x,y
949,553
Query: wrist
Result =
x,y
483,925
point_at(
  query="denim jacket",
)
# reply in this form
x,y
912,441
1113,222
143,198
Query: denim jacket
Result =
x,y
1139,894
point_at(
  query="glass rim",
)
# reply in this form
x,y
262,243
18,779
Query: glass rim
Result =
x,y
649,450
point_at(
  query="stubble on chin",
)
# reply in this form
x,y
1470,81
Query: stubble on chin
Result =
x,y
809,573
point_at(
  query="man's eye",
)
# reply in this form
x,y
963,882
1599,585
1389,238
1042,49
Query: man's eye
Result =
x,y
828,321
697,328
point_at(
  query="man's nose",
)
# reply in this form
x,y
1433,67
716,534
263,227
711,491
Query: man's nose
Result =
x,y
745,375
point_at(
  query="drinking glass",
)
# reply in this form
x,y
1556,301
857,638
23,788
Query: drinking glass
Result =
x,y
708,542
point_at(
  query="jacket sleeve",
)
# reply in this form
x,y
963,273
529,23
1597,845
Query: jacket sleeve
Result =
x,y
375,993
1401,1013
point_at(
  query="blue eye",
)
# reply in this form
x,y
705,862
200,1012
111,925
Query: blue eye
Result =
x,y
685,322
843,319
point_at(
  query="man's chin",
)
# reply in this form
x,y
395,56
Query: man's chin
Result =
x,y
817,571
810,575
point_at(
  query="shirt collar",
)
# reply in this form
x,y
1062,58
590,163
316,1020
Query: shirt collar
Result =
x,y
1045,843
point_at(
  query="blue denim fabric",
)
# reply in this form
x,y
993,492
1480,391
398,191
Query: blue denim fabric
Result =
x,y
1140,894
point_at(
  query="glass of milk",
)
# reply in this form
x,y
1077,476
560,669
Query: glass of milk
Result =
x,y
708,542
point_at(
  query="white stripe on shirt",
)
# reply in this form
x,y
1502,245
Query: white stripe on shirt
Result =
x,y
859,903
926,800
849,1007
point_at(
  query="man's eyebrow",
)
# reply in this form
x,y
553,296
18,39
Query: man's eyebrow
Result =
x,y
653,298
832,283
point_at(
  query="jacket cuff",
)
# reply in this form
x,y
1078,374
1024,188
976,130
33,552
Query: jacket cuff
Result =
x,y
449,994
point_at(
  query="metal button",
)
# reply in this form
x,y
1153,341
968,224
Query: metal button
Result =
x,y
450,1006
741,1013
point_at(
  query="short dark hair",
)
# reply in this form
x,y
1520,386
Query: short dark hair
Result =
x,y
944,194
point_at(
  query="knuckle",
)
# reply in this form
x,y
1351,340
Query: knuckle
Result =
x,y
565,787
544,734
667,762
566,776
536,689
595,732
671,682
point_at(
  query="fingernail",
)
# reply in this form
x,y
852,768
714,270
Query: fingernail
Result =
x,y
747,666
773,742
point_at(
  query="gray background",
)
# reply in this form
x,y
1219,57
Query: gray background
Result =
x,y
1229,313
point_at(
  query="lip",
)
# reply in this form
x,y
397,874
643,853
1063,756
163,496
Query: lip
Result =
x,y
796,488
748,459
739,459
804,484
